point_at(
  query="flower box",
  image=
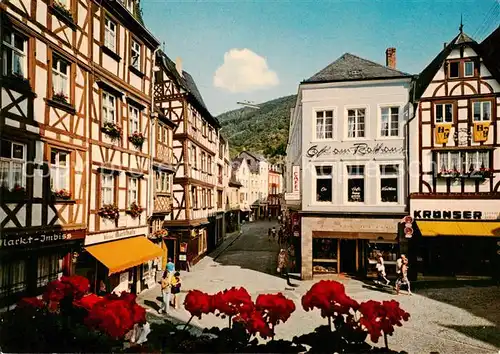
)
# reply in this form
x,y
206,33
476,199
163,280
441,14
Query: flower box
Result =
x,y
63,12
134,210
109,211
62,194
159,234
137,139
60,97
112,130
448,174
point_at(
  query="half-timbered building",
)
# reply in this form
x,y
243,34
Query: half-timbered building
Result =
x,y
43,131
195,146
454,161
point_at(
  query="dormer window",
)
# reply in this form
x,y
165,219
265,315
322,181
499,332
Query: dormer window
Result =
x,y
129,4
469,68
454,70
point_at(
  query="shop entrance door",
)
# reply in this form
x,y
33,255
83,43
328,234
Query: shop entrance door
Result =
x,y
171,251
348,256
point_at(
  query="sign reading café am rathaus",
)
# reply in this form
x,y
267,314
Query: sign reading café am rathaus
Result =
x,y
354,149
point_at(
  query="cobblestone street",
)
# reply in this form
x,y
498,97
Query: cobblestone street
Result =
x,y
456,319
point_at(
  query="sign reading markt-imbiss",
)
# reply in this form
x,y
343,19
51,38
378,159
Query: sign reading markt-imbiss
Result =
x,y
31,239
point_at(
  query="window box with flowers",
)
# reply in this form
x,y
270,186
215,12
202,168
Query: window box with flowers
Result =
x,y
17,192
137,139
63,14
134,210
109,211
482,173
62,194
159,234
113,130
448,173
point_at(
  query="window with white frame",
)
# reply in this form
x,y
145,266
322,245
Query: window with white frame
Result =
x,y
129,4
356,184
194,163
209,170
133,190
109,34
14,50
59,170
468,68
463,161
162,182
324,183
203,162
194,197
133,117
389,121
482,111
443,112
60,77
324,124
135,54
108,189
108,107
356,123
12,164
389,183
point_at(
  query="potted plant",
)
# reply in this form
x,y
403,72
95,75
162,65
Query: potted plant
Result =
x,y
62,194
159,233
60,97
109,211
113,130
137,139
134,210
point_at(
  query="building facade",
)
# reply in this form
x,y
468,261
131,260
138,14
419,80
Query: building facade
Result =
x,y
241,172
348,127
195,149
454,160
258,186
275,190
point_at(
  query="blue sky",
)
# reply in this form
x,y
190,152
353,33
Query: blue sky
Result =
x,y
289,41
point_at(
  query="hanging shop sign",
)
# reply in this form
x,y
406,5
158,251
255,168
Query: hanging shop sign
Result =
x,y
30,239
442,133
296,179
357,149
448,214
481,130
183,247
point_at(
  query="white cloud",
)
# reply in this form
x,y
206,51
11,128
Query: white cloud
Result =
x,y
244,71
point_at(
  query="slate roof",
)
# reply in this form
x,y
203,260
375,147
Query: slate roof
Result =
x,y
187,82
486,50
350,67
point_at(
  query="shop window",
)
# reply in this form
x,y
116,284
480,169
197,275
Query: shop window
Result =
x,y
12,164
389,183
444,112
50,267
324,255
324,183
356,184
13,277
356,123
14,50
59,170
482,111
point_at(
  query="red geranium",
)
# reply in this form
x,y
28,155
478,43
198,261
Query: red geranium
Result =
x,y
198,303
380,318
31,302
275,307
75,286
329,296
88,301
255,323
233,302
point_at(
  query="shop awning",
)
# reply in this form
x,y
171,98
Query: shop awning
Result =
x,y
123,254
459,228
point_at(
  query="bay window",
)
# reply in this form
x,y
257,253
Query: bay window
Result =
x,y
109,34
162,182
356,184
14,48
443,112
107,189
59,170
324,124
108,107
60,78
356,123
389,124
389,183
463,161
324,184
482,111
12,164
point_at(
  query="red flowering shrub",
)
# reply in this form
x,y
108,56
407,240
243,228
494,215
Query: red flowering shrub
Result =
x,y
275,307
379,318
255,323
198,303
233,302
75,286
88,301
329,296
31,302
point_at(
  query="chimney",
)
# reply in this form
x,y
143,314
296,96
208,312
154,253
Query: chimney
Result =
x,y
178,65
390,58
444,45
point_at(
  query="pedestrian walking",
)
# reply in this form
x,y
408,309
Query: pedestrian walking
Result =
x,y
166,289
269,216
402,270
269,231
381,270
176,289
283,263
280,236
170,265
273,233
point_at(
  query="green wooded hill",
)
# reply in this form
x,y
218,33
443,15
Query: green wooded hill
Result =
x,y
263,130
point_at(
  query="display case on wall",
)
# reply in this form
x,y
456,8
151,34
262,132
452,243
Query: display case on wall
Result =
x,y
390,253
325,255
